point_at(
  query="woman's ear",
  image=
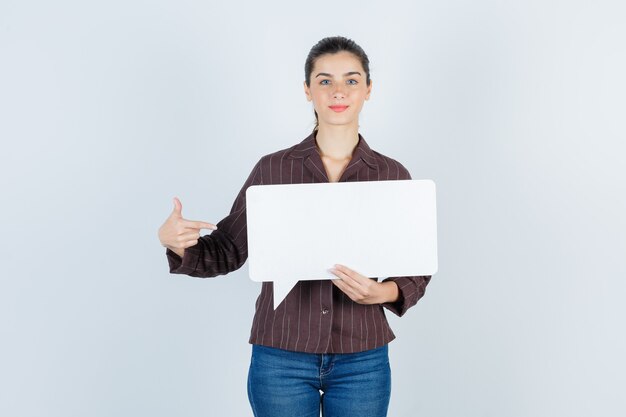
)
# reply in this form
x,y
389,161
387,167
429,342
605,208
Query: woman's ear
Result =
x,y
307,92
369,90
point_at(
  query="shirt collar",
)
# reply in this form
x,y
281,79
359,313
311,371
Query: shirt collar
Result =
x,y
308,146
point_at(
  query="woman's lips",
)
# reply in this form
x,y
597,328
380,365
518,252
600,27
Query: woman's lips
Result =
x,y
338,108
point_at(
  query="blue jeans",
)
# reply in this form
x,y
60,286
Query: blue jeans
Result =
x,y
283,383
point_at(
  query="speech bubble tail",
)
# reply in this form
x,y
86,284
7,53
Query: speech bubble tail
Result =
x,y
281,289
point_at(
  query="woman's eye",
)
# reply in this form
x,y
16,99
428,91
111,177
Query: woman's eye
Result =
x,y
322,82
354,83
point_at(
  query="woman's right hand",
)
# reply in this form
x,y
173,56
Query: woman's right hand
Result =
x,y
178,233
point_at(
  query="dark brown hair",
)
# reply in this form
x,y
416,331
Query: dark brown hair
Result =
x,y
332,45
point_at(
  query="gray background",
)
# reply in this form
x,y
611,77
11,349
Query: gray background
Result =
x,y
109,109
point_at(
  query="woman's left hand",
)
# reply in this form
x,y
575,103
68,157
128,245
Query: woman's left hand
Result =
x,y
362,289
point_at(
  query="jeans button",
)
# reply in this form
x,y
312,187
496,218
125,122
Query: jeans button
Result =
x,y
325,311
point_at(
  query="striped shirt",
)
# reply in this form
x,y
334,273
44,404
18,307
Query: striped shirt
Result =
x,y
316,316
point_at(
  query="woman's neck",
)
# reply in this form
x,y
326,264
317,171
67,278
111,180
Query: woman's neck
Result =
x,y
337,142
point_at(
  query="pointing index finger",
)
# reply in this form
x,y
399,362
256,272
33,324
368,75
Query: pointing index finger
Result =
x,y
198,225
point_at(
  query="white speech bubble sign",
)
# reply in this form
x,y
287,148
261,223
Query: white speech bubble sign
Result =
x,y
377,228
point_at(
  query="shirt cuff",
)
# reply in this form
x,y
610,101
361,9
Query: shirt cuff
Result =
x,y
182,265
399,306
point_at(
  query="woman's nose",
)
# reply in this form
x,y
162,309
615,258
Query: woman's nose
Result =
x,y
339,92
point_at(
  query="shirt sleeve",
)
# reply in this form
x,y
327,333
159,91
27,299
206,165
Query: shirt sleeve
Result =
x,y
410,288
223,250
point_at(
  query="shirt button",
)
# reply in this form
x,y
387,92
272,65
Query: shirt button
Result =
x,y
325,311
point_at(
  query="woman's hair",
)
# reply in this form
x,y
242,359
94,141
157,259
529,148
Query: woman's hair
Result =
x,y
332,45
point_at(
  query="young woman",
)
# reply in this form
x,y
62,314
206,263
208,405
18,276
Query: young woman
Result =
x,y
325,346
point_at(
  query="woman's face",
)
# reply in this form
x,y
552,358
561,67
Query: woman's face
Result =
x,y
338,80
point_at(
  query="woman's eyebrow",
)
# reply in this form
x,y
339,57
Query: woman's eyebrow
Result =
x,y
345,75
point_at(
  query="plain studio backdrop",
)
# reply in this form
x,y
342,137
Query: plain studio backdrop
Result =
x,y
110,109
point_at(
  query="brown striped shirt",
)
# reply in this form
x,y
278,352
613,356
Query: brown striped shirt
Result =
x,y
316,316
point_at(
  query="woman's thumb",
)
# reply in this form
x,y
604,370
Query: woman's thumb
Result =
x,y
178,207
